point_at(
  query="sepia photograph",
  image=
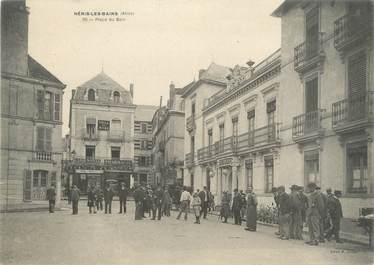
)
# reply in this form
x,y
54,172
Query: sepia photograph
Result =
x,y
171,132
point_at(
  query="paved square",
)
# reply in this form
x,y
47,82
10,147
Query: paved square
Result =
x,y
61,238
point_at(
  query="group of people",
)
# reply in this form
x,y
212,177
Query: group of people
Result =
x,y
156,202
320,211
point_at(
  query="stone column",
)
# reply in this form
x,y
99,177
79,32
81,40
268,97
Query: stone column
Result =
x,y
219,186
234,178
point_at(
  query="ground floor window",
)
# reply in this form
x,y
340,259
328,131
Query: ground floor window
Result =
x,y
311,167
357,173
269,174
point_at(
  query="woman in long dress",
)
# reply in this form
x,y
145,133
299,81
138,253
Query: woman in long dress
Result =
x,y
225,206
251,211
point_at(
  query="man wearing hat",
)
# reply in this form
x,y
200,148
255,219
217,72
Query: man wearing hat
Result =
x,y
237,206
335,211
284,213
274,190
122,194
315,205
323,214
296,221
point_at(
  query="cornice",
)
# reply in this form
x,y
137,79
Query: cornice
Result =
x,y
26,79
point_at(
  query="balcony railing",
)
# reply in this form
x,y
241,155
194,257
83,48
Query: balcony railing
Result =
x,y
99,163
42,156
306,123
190,123
351,28
305,52
116,136
356,108
259,138
89,135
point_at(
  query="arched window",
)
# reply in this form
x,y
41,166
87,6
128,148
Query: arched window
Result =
x,y
116,96
91,95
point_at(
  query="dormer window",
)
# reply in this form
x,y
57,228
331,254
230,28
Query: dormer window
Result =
x,y
116,96
91,95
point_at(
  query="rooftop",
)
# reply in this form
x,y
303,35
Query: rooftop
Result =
x,y
37,71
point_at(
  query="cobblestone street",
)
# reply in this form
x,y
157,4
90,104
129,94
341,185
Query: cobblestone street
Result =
x,y
61,238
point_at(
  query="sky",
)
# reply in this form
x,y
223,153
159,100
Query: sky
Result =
x,y
162,41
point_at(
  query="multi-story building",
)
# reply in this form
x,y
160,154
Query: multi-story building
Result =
x,y
210,82
239,131
327,97
168,138
31,120
101,134
143,144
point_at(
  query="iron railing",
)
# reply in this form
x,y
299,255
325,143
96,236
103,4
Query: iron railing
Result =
x,y
244,142
354,108
349,28
306,123
89,135
306,51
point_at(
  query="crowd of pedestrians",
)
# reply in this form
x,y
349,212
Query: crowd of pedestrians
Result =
x,y
320,212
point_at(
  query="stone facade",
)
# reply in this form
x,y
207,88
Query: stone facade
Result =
x,y
168,138
31,116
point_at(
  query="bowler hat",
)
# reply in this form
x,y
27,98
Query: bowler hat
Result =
x,y
294,187
312,185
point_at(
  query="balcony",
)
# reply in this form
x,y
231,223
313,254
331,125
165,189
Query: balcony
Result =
x,y
42,156
354,113
190,123
98,163
89,135
351,29
116,136
308,55
261,139
307,126
189,160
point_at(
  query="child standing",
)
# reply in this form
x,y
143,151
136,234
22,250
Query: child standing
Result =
x,y
196,206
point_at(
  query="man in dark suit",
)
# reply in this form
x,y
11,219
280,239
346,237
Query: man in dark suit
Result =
x,y
122,194
237,205
204,197
159,194
51,197
284,213
335,211
108,198
75,195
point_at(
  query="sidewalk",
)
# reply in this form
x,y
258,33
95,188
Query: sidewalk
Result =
x,y
349,232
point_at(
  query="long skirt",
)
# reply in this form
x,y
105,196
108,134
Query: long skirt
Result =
x,y
197,210
139,211
251,217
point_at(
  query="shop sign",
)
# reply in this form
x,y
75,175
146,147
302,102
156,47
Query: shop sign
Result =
x,y
225,162
89,171
103,125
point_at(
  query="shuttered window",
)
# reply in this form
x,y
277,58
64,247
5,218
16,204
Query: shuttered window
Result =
x,y
57,107
44,139
311,95
40,103
312,29
357,74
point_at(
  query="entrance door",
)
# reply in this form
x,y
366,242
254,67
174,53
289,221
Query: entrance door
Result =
x,y
39,184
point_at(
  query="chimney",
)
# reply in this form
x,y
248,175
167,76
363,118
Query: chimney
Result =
x,y
14,37
201,72
160,102
171,86
132,90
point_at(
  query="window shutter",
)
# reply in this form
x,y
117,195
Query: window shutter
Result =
x,y
40,104
57,107
251,114
40,138
311,95
271,106
48,139
357,74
